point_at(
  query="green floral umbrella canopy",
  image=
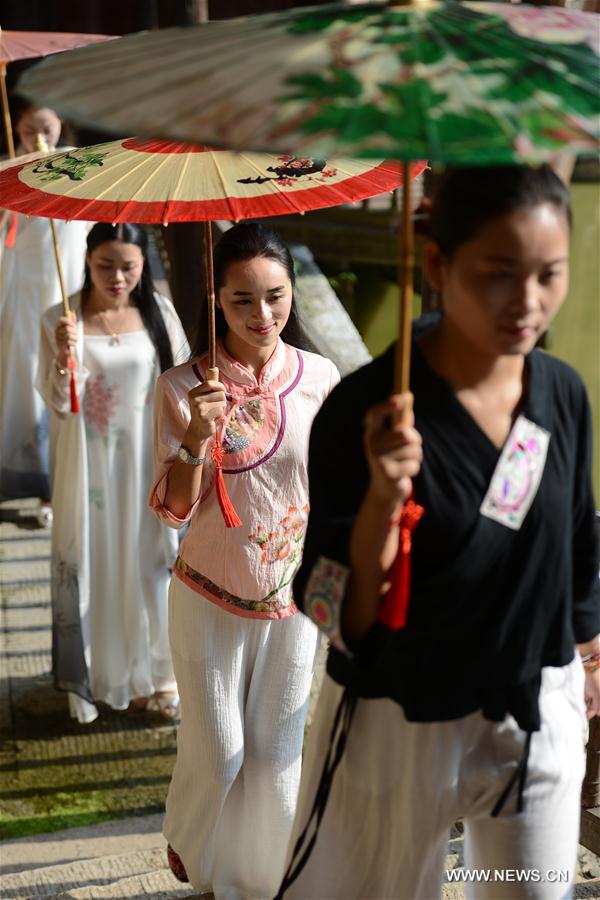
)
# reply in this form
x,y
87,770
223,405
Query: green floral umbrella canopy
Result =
x,y
454,82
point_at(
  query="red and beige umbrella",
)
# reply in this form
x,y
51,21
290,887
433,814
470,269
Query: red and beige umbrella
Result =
x,y
15,45
136,180
160,181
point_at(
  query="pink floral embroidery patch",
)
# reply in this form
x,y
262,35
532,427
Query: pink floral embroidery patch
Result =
x,y
285,541
100,403
517,475
324,596
245,422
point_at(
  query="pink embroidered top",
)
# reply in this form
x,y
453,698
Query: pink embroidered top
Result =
x,y
247,570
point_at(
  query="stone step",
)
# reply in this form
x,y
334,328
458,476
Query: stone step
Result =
x,y
112,838
112,878
590,890
48,881
159,885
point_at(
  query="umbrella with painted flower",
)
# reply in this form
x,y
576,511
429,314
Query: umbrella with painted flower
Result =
x,y
159,181
451,82
135,180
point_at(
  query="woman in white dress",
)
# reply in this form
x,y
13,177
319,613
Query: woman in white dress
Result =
x,y
110,555
28,287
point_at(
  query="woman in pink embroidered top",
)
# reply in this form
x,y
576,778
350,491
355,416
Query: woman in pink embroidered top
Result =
x,y
243,657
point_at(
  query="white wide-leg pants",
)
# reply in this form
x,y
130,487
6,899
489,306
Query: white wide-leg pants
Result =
x,y
244,686
401,785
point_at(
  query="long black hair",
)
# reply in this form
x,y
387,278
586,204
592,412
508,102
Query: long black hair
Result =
x,y
469,197
249,240
143,295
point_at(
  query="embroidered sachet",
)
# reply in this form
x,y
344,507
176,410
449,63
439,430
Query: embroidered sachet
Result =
x,y
323,598
517,475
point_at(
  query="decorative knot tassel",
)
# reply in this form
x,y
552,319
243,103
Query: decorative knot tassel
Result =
x,y
73,387
394,612
232,520
11,231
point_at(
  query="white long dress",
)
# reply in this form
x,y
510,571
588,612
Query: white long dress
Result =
x,y
110,555
28,287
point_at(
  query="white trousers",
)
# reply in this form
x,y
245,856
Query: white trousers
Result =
x,y
244,686
401,785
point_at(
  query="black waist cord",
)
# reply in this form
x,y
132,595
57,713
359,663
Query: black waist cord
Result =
x,y
337,743
520,775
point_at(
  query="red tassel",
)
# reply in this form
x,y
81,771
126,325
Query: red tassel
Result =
x,y
394,612
11,231
73,387
232,520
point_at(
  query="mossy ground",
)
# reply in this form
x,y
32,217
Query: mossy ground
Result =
x,y
54,772
58,774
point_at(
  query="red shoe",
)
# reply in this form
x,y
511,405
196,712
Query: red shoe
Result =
x,y
176,866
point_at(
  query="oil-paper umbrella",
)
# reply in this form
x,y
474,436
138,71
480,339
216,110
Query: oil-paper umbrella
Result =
x,y
159,181
16,45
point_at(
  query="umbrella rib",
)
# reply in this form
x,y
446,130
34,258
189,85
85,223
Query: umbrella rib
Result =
x,y
213,157
146,181
180,177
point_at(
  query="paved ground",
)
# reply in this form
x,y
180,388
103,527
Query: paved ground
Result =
x,y
55,772
80,806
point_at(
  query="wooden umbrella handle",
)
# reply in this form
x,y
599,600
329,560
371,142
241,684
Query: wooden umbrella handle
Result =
x,y
41,145
210,293
407,265
10,144
59,269
67,311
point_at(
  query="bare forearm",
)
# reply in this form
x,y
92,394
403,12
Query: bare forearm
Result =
x,y
373,548
184,481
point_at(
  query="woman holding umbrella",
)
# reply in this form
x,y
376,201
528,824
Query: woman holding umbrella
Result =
x,y
110,557
243,658
475,708
29,285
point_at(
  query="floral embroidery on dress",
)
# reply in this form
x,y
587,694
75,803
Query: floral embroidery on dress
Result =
x,y
100,403
271,603
285,542
243,426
